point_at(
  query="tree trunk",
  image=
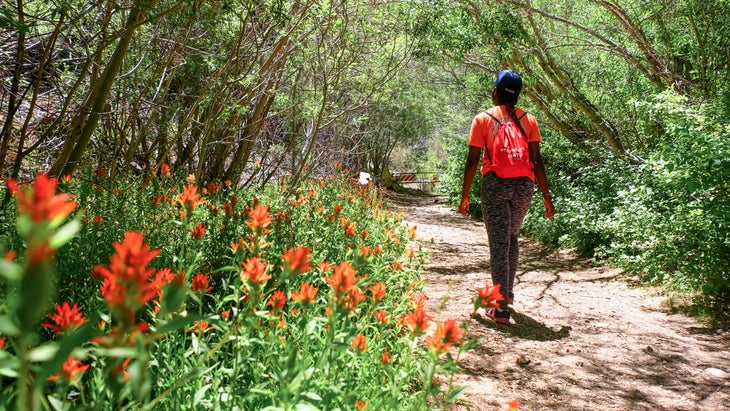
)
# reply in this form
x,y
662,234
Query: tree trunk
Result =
x,y
14,100
88,117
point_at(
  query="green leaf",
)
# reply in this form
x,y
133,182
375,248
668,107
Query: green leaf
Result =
x,y
177,324
65,234
43,353
10,270
200,394
471,344
312,396
10,367
55,403
8,328
305,407
454,393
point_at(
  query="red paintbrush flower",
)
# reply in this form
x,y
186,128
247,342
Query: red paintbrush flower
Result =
x,y
343,278
71,370
128,282
65,318
259,219
377,291
201,283
306,294
41,202
254,271
417,321
198,231
189,199
277,301
297,259
359,342
488,297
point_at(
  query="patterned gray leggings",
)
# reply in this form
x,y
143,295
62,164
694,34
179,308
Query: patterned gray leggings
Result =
x,y
505,202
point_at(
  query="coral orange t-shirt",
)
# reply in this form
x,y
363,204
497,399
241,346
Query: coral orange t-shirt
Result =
x,y
484,128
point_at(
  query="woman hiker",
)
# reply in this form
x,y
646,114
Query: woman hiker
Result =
x,y
509,170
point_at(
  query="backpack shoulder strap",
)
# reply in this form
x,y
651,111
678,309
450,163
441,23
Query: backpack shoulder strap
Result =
x,y
495,118
486,146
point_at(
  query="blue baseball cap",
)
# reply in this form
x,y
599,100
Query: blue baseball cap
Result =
x,y
509,81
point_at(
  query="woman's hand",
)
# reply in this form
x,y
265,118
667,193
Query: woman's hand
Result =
x,y
464,206
549,209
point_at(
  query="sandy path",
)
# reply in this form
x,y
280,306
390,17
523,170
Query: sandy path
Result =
x,y
595,343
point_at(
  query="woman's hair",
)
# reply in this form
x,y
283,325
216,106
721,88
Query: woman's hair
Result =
x,y
510,100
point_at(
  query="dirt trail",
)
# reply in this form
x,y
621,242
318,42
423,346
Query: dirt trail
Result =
x,y
593,341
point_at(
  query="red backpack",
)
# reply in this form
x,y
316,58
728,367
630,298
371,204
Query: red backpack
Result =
x,y
509,152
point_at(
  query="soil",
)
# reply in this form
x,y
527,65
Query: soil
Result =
x,y
585,336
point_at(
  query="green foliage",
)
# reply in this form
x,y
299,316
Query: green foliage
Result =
x,y
667,218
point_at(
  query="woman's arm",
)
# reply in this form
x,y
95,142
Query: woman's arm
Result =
x,y
470,169
541,178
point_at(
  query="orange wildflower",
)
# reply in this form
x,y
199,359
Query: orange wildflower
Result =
x,y
377,291
200,327
359,342
360,404
297,259
385,358
381,316
41,202
325,266
65,318
512,405
417,321
450,331
71,370
277,301
343,279
128,282
198,231
418,300
436,344
306,293
165,170
254,271
354,297
10,255
189,199
412,231
446,334
96,220
2,343
349,227
260,219
488,297
201,283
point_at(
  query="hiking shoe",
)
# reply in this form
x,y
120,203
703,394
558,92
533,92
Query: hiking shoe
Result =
x,y
500,316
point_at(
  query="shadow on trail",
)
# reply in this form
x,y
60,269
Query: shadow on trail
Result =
x,y
526,328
